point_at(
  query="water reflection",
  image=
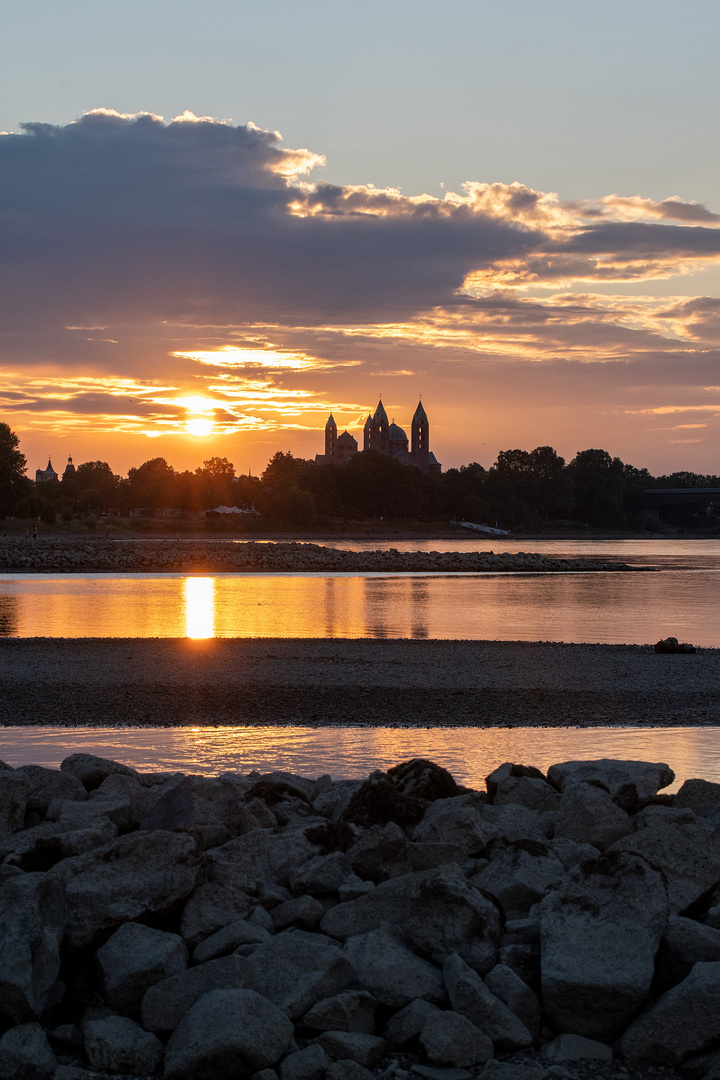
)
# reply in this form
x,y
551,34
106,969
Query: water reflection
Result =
x,y
199,607
8,616
469,753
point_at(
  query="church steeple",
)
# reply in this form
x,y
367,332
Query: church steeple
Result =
x,y
330,441
420,438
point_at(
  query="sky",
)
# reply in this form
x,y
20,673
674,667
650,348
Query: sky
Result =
x,y
218,223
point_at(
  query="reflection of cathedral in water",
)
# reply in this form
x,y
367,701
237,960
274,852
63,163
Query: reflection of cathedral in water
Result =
x,y
383,437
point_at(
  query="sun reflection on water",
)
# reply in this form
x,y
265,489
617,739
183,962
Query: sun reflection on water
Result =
x,y
199,607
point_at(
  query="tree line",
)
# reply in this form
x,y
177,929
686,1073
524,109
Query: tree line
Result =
x,y
522,490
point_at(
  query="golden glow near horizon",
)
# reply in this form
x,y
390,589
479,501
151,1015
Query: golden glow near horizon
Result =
x,y
199,596
200,426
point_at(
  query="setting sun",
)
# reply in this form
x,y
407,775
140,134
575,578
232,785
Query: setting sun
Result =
x,y
199,425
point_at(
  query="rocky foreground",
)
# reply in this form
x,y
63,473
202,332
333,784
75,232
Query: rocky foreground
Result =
x,y
96,555
271,926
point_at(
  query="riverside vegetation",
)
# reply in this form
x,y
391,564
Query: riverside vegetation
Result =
x,y
552,926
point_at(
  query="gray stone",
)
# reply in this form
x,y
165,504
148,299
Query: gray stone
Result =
x,y
511,822
471,998
600,931
575,1048
348,1070
130,789
570,853
333,803
213,907
265,1074
91,770
296,969
33,918
644,777
700,796
496,1070
132,876
196,803
309,1064
165,1003
457,821
322,874
78,815
380,853
116,1044
688,867
517,995
530,791
13,800
225,1034
426,856
408,1022
352,890
25,1054
451,1039
44,785
665,815
42,846
684,943
684,1021
519,876
436,909
302,911
391,972
351,1010
434,1072
366,1050
133,959
240,932
587,815
262,856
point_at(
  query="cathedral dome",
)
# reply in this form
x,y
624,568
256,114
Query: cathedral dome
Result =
x,y
395,432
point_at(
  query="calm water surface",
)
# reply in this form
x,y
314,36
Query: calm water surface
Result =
x,y
469,754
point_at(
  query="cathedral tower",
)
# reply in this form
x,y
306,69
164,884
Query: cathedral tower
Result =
x,y
330,441
420,439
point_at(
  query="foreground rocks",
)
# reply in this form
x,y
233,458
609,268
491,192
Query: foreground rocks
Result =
x,y
281,928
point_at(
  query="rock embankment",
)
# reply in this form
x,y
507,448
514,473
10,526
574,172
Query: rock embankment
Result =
x,y
63,555
272,926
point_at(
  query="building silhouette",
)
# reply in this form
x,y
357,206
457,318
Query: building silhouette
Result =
x,y
41,475
384,437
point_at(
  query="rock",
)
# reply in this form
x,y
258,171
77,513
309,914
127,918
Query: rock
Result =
x,y
570,853
700,796
378,801
471,998
265,1074
133,959
352,1010
575,1048
133,876
588,815
496,1070
78,815
128,789
332,803
508,771
433,1072
512,822
41,847
116,1044
366,1050
31,928
380,853
391,972
304,912
688,868
517,995
451,1039
211,908
408,1022
309,1064
423,779
645,778
261,856
436,909
531,791
322,874
91,770
430,856
199,804
44,785
524,960
600,931
240,932
225,1034
13,800
672,645
457,821
295,970
25,1054
684,1021
348,1070
684,943
519,876
165,1003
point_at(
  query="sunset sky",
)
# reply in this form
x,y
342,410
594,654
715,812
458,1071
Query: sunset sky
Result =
x,y
218,222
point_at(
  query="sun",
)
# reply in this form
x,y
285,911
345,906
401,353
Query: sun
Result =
x,y
199,425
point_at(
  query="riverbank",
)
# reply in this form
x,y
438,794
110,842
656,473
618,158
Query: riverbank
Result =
x,y
321,682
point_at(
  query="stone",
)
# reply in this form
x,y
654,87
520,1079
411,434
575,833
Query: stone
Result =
x,y
264,856
394,975
378,801
524,960
366,1050
684,943
309,1064
25,1054
575,1048
213,907
265,1074
672,645
13,800
433,1072
519,876
196,803
304,912
588,815
322,874
471,998
296,969
331,804
133,959
430,856
457,821
600,931
117,1044
351,1010
44,785
78,815
530,1070
41,847
571,853
423,779
407,1023
517,995
32,922
644,777
227,1033
222,942
683,1021
700,796
510,771
91,770
436,909
164,1004
530,791
451,1039
689,868
380,853
133,876
348,1070
513,822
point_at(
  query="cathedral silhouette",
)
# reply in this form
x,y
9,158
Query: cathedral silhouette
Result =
x,y
385,438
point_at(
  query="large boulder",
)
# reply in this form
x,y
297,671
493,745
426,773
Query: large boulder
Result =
x,y
44,785
436,909
587,814
519,876
600,931
165,1003
700,796
684,1021
32,920
91,770
689,866
222,942
13,800
366,1050
517,995
133,876
264,855
520,784
380,853
226,1035
623,779
513,822
684,943
378,801
470,997
423,779
457,821
451,1039
133,959
351,1010
116,1044
44,845
296,969
407,1023
26,1054
204,805
212,908
391,972
322,874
